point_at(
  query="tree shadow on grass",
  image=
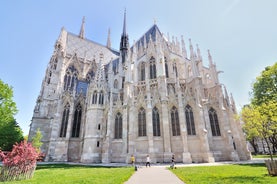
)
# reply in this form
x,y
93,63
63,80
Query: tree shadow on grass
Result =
x,y
252,165
244,179
65,166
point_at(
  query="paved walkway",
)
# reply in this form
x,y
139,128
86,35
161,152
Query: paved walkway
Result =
x,y
153,175
159,174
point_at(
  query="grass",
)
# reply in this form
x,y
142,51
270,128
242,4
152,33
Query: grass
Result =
x,y
263,156
227,174
63,173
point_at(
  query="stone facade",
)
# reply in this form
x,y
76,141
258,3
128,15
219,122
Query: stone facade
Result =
x,y
97,104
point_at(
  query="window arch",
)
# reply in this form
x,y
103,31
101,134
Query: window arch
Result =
x,y
166,67
65,120
142,71
175,122
101,98
70,78
153,72
118,126
141,122
77,121
94,97
156,122
214,122
175,69
190,120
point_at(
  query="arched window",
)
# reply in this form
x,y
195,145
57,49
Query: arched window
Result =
x,y
153,73
115,84
77,121
166,67
175,122
142,71
190,120
90,76
49,77
101,98
94,97
70,78
54,63
118,126
156,122
141,122
175,69
64,120
214,122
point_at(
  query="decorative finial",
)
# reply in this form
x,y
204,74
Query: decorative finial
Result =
x,y
198,52
184,51
191,49
109,39
210,58
82,30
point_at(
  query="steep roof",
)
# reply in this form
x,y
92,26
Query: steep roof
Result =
x,y
154,32
88,49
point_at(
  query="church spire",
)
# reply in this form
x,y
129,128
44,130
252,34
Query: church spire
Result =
x,y
124,23
109,39
82,30
124,43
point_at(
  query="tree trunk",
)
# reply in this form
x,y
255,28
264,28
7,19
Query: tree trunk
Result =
x,y
254,145
271,167
269,149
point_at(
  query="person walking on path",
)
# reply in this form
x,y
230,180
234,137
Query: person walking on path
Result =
x,y
148,161
172,162
133,160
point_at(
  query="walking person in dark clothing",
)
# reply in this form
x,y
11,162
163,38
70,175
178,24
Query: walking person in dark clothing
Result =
x,y
172,162
148,161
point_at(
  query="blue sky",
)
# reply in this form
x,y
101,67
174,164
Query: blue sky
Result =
x,y
241,36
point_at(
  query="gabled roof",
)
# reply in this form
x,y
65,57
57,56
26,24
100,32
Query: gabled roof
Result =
x,y
154,32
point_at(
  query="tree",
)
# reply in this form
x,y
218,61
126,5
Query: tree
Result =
x,y
10,133
250,118
36,140
260,122
7,105
268,112
20,163
260,116
265,86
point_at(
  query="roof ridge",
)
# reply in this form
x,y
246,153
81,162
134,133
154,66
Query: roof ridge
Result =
x,y
86,39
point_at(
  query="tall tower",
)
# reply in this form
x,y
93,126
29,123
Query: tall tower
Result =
x,y
124,42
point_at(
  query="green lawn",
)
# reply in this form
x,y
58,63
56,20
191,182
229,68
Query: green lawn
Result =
x,y
227,174
63,173
263,156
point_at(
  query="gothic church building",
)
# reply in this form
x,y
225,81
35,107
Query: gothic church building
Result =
x,y
101,105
